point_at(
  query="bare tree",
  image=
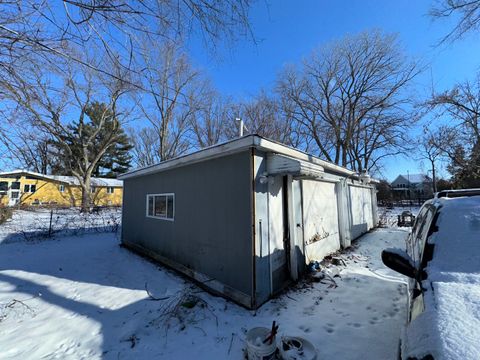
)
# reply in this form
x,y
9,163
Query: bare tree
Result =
x,y
467,13
28,146
145,146
209,125
263,116
174,91
462,104
111,32
350,99
52,109
429,150
460,141
117,29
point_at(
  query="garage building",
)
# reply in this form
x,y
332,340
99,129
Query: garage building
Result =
x,y
244,217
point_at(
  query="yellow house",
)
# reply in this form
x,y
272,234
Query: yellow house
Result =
x,y
30,188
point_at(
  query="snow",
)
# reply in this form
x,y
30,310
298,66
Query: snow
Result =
x,y
97,181
32,224
389,217
71,180
84,296
413,178
449,328
457,243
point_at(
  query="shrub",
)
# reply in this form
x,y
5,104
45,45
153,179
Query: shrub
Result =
x,y
5,214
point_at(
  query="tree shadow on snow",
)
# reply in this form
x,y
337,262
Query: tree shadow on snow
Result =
x,y
83,260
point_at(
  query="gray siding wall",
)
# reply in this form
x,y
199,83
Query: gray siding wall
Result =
x,y
212,230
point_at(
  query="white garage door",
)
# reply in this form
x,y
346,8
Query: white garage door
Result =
x,y
361,210
320,219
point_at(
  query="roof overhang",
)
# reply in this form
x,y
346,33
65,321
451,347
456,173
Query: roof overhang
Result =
x,y
283,165
242,144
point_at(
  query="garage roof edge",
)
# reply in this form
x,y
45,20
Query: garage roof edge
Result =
x,y
234,146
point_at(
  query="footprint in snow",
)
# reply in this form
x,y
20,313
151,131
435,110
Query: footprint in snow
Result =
x,y
392,313
305,329
329,329
355,325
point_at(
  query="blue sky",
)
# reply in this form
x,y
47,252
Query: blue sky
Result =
x,y
289,30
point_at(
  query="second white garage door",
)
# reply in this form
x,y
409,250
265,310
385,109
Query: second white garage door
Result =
x,y
320,219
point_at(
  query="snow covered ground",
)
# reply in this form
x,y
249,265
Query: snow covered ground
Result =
x,y
389,217
77,297
41,222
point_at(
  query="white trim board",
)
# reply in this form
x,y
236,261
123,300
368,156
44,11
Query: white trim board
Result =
x,y
235,146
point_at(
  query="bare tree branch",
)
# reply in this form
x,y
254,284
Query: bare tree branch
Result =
x,y
350,98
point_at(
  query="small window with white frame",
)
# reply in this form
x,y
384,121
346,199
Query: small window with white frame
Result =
x,y
29,188
161,206
61,188
110,190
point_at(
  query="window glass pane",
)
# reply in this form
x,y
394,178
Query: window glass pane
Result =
x,y
26,188
33,188
3,185
15,185
170,206
150,206
161,206
14,195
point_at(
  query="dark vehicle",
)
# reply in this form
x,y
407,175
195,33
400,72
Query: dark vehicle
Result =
x,y
442,263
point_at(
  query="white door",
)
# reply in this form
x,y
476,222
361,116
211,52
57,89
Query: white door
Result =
x,y
14,193
361,210
278,251
320,218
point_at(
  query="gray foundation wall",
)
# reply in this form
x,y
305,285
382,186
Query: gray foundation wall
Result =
x,y
212,230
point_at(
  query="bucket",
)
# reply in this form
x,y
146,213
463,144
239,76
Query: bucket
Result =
x,y
256,348
297,348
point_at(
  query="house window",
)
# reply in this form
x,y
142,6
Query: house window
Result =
x,y
161,206
110,190
30,188
93,189
15,185
3,187
61,188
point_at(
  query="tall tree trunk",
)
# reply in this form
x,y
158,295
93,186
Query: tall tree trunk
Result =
x,y
86,194
434,177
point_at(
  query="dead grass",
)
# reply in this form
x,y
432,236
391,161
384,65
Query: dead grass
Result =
x,y
5,214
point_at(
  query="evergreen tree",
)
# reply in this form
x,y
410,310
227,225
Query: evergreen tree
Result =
x,y
116,159
466,169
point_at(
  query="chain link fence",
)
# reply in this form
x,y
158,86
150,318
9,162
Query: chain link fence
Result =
x,y
35,223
